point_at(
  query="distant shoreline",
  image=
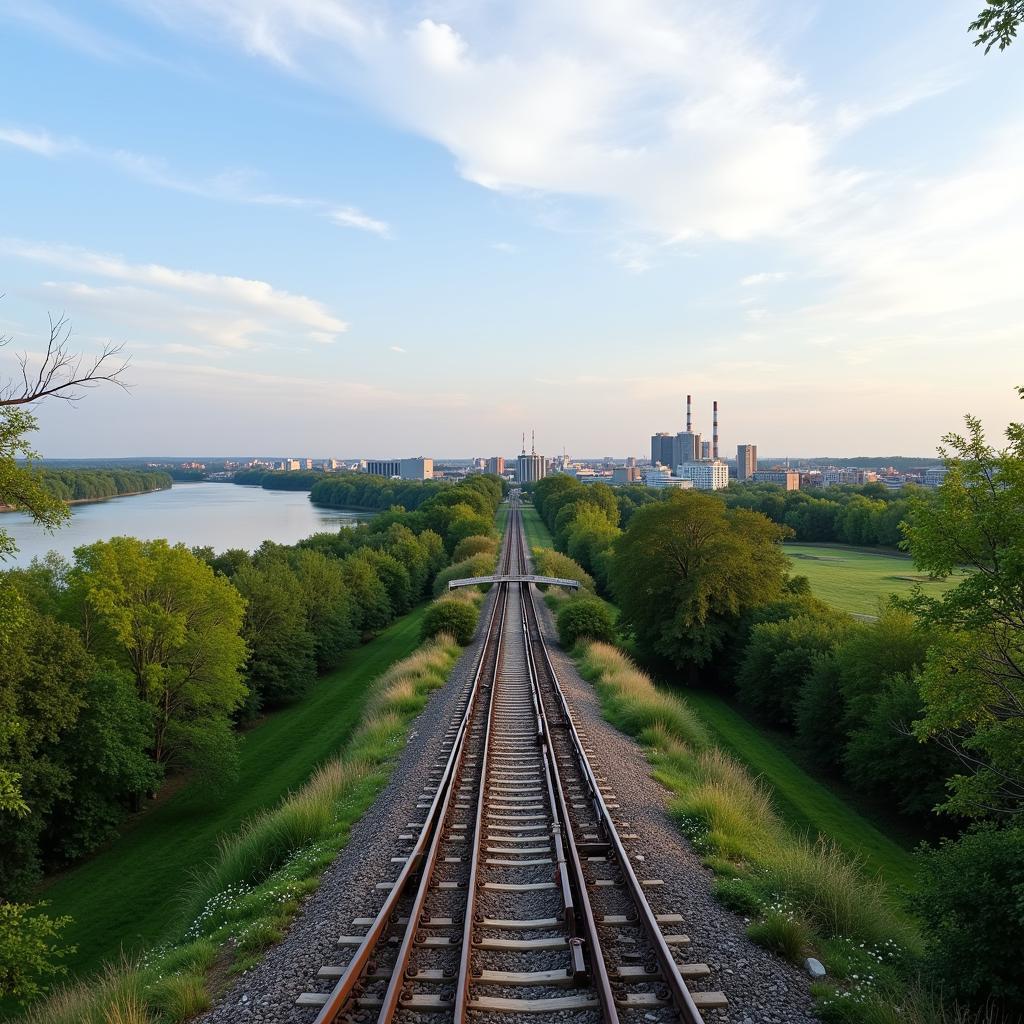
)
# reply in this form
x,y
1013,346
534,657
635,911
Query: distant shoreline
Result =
x,y
93,501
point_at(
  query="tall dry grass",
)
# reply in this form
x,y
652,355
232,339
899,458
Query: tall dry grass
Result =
x,y
730,815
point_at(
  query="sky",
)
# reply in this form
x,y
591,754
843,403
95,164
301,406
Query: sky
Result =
x,y
382,228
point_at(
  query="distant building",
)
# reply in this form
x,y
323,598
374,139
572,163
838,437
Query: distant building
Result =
x,y
847,476
789,479
625,475
661,449
407,469
290,465
685,448
530,468
705,476
935,476
307,463
496,465
705,449
661,478
746,461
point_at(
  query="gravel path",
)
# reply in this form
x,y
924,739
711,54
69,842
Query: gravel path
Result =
x,y
761,989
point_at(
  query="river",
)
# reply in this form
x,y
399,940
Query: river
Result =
x,y
220,515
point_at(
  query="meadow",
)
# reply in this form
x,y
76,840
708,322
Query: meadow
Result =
x,y
855,580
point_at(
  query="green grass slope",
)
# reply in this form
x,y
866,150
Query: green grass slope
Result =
x,y
855,580
537,534
123,897
803,802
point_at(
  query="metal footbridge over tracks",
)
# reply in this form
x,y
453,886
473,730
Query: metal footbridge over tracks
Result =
x,y
554,581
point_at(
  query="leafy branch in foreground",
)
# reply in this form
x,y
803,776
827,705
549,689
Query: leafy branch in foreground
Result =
x,y
997,23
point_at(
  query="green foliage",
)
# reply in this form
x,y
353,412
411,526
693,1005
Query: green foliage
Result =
x,y
972,682
585,618
477,545
780,656
971,901
30,951
997,23
96,484
477,565
163,615
687,569
548,562
452,617
20,486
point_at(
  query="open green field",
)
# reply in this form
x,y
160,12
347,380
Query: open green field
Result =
x,y
537,535
802,801
125,896
855,580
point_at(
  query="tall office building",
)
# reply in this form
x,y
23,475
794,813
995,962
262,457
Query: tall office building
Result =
x,y
706,476
746,461
496,465
661,449
530,468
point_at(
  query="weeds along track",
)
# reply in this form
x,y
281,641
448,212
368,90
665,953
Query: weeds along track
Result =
x,y
516,895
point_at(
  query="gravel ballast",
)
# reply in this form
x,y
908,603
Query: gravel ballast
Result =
x,y
760,987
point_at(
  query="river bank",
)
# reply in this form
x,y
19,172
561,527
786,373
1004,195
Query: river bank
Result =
x,y
93,501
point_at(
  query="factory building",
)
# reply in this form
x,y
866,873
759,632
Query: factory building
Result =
x,y
788,479
746,461
705,449
407,469
530,468
496,465
685,448
705,476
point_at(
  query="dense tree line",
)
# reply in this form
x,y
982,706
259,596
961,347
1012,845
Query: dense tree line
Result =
x,y
93,484
279,480
138,659
360,490
922,708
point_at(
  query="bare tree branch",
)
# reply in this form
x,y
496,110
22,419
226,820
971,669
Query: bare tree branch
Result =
x,y
62,373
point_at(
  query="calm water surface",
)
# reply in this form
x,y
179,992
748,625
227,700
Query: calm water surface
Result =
x,y
221,515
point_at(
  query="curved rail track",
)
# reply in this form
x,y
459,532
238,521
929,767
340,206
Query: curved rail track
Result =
x,y
517,895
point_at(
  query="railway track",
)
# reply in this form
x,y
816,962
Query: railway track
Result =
x,y
516,894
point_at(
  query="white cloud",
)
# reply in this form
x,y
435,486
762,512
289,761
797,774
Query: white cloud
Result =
x,y
234,187
508,248
273,306
398,348
765,277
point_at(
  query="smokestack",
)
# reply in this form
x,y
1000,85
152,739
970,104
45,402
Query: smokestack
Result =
x,y
714,432
689,414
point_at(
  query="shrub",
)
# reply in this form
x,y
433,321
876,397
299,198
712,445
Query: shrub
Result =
x,y
29,949
971,900
179,997
738,895
585,618
477,565
455,618
548,562
476,545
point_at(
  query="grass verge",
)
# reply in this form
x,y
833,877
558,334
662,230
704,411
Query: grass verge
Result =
x,y
244,899
537,534
803,896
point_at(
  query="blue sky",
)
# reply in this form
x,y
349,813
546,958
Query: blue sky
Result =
x,y
334,227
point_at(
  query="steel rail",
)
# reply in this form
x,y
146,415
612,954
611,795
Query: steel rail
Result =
x,y
352,980
680,994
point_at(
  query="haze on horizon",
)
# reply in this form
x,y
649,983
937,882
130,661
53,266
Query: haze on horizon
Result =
x,y
330,227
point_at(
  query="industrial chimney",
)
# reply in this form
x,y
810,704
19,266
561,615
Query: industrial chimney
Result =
x,y
689,414
714,432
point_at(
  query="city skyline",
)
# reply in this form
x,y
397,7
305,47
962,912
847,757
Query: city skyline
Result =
x,y
318,226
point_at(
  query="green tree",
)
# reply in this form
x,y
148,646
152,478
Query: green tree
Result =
x,y
30,952
997,23
687,569
972,682
165,616
450,615
282,665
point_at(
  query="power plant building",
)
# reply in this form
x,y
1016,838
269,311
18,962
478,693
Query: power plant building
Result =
x,y
685,448
530,468
746,461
